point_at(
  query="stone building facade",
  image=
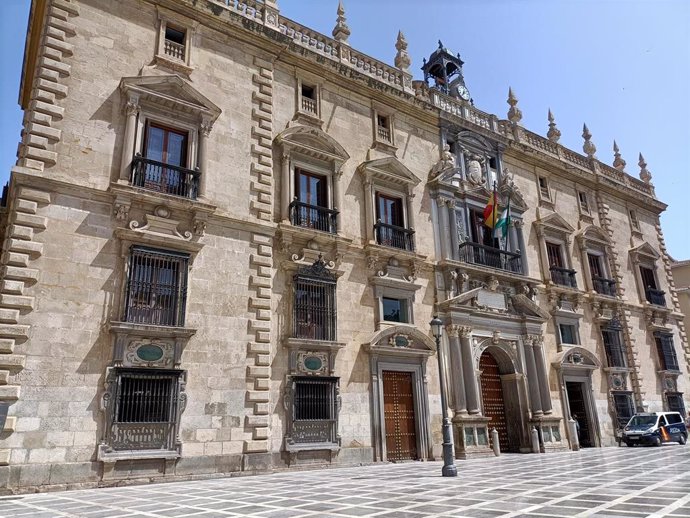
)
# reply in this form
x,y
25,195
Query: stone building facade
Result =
x,y
226,234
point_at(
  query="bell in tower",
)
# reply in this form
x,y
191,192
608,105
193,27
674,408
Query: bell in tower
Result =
x,y
446,71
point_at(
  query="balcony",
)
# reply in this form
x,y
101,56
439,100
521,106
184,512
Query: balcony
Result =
x,y
165,178
476,253
604,286
563,276
656,297
309,105
384,133
313,216
394,236
174,50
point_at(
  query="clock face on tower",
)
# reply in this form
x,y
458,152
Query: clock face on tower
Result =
x,y
463,92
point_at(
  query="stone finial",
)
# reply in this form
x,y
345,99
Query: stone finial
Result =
x,y
588,147
618,161
514,113
341,32
554,134
645,175
402,58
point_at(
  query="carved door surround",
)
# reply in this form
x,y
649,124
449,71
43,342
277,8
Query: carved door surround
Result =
x,y
401,349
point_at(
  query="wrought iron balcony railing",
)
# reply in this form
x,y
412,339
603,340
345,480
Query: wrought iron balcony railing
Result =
x,y
313,216
563,276
656,297
484,255
166,178
604,286
394,236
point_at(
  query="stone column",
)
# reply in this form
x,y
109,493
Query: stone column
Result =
x,y
586,270
410,209
532,378
542,374
131,111
337,202
202,155
469,373
444,227
369,209
457,378
546,271
285,188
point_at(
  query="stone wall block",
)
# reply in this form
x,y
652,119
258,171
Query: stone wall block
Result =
x,y
261,187
9,392
252,421
40,118
66,49
27,193
260,260
6,345
258,348
263,359
67,5
4,377
263,282
52,86
9,315
5,457
12,361
44,95
66,27
265,271
56,112
262,384
258,206
31,220
260,325
259,303
32,248
255,396
28,275
21,232
48,74
52,53
16,301
256,446
40,155
262,239
264,292
262,408
26,206
260,433
45,131
30,163
61,68
16,259
12,287
258,372
264,314
263,336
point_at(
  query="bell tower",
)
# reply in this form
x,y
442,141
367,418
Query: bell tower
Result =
x,y
446,71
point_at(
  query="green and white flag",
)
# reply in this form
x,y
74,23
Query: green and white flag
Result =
x,y
503,222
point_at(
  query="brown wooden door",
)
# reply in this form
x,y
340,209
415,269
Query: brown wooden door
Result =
x,y
398,413
492,396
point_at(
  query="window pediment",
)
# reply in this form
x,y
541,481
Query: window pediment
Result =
x,y
403,340
592,234
312,142
171,92
389,170
555,223
576,357
644,251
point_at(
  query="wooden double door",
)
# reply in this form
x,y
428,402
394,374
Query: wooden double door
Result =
x,y
492,397
399,416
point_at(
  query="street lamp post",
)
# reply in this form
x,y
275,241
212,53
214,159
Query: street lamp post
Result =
x,y
449,469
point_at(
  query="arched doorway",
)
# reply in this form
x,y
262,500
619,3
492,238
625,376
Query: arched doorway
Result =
x,y
492,398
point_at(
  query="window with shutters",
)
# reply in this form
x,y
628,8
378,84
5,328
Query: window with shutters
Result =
x,y
668,360
143,410
156,291
613,345
624,406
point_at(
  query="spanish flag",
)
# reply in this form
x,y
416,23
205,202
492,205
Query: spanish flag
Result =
x,y
491,211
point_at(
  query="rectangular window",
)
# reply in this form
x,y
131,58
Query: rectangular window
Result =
x,y
164,164
315,310
553,251
145,410
315,410
310,208
625,407
613,345
480,232
648,278
568,334
309,103
634,222
174,43
156,287
675,403
390,223
544,188
584,202
595,266
667,353
383,127
395,310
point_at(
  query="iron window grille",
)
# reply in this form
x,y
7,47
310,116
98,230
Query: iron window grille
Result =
x,y
314,315
667,353
145,410
675,402
615,354
315,409
624,406
156,287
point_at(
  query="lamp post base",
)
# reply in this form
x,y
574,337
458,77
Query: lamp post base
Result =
x,y
449,471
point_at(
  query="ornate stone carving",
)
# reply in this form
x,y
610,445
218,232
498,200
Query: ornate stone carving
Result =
x,y
588,147
402,58
514,113
645,175
495,337
199,228
554,134
341,31
121,212
474,167
465,331
618,161
446,162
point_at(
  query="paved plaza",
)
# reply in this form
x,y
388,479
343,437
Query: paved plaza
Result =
x,y
594,482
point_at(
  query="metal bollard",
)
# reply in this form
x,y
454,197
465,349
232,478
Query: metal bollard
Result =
x,y
572,432
535,440
494,442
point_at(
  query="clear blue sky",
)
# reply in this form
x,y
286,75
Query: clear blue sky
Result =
x,y
621,66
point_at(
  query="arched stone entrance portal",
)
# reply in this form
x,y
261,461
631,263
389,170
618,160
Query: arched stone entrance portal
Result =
x,y
492,397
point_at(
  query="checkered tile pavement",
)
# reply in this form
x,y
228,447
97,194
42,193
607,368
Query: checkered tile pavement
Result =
x,y
602,482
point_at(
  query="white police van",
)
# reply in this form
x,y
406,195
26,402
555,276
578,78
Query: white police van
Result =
x,y
655,428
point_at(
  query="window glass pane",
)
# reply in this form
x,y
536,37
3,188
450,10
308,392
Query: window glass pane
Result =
x,y
176,149
174,35
568,334
394,310
154,143
389,210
